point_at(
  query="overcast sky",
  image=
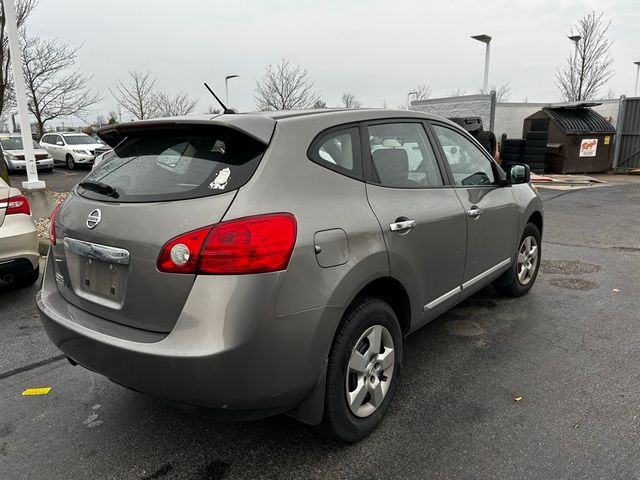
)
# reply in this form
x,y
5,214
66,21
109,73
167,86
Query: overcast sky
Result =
x,y
377,50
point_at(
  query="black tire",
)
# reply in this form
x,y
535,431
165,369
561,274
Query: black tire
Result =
x,y
537,135
71,163
514,142
510,158
540,151
535,144
510,283
27,279
339,422
488,141
510,149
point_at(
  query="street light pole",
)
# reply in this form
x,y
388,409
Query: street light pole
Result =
x,y
32,182
635,90
486,39
226,88
576,39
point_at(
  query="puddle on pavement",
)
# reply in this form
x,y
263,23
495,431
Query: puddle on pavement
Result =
x,y
464,328
568,267
573,283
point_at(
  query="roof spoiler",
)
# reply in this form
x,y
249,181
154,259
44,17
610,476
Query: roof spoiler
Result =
x,y
257,127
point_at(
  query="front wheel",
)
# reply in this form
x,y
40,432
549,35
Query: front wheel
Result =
x,y
363,372
71,164
519,279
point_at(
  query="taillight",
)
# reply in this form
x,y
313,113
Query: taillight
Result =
x,y
258,244
15,205
52,225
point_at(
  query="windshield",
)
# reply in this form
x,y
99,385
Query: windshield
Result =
x,y
15,143
79,140
175,165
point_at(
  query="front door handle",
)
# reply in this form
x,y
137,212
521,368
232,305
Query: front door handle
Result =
x,y
402,225
474,212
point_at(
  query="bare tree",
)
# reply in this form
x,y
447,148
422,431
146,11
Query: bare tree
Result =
x,y
503,92
179,104
213,110
113,118
421,92
320,104
458,92
590,65
349,101
54,88
23,10
138,96
285,87
610,95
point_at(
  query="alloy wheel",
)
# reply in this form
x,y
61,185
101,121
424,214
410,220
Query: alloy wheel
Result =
x,y
527,260
370,371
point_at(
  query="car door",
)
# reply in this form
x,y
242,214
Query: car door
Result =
x,y
491,209
423,223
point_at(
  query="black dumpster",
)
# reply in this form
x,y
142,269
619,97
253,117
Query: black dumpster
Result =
x,y
573,138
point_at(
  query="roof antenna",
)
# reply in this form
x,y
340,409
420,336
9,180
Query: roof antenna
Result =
x,y
224,107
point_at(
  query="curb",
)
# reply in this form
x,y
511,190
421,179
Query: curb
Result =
x,y
43,246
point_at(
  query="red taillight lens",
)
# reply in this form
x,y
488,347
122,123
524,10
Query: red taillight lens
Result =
x,y
52,225
259,244
15,205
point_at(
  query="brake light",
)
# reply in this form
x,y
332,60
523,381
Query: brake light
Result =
x,y
258,244
15,205
52,225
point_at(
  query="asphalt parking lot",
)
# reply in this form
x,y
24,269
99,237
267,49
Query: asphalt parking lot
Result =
x,y
61,179
569,349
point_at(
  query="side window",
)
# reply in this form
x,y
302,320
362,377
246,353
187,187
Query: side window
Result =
x,y
402,156
57,139
45,139
339,151
468,164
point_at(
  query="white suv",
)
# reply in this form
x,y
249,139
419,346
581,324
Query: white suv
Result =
x,y
71,148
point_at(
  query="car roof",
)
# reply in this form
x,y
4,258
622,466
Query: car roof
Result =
x,y
259,125
70,134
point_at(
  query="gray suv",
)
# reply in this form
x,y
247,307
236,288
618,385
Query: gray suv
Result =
x,y
273,262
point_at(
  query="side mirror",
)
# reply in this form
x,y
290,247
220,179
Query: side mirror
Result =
x,y
518,173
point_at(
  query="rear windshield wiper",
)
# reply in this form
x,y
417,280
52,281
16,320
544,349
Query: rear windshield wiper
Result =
x,y
99,187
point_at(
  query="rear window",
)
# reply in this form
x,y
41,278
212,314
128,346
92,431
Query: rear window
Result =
x,y
175,164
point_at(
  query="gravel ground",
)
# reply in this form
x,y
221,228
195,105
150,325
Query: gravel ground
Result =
x,y
42,223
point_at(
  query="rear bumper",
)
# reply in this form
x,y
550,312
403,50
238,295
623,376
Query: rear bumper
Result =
x,y
18,241
258,363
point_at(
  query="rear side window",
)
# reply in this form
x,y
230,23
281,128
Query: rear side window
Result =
x,y
402,156
339,150
175,164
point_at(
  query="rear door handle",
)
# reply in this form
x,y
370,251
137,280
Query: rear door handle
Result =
x,y
474,212
403,225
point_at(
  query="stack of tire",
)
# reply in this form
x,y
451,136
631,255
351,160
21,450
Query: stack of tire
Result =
x,y
535,145
511,150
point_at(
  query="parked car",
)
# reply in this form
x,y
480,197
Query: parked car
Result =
x,y
71,148
273,262
19,257
102,154
13,153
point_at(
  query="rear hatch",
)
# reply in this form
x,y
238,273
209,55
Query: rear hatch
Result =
x,y
163,181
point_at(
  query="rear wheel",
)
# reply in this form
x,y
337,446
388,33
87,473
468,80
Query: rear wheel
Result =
x,y
363,371
519,279
71,163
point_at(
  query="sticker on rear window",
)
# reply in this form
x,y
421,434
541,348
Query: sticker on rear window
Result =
x,y
221,180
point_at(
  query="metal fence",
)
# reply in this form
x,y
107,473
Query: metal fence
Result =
x,y
627,151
